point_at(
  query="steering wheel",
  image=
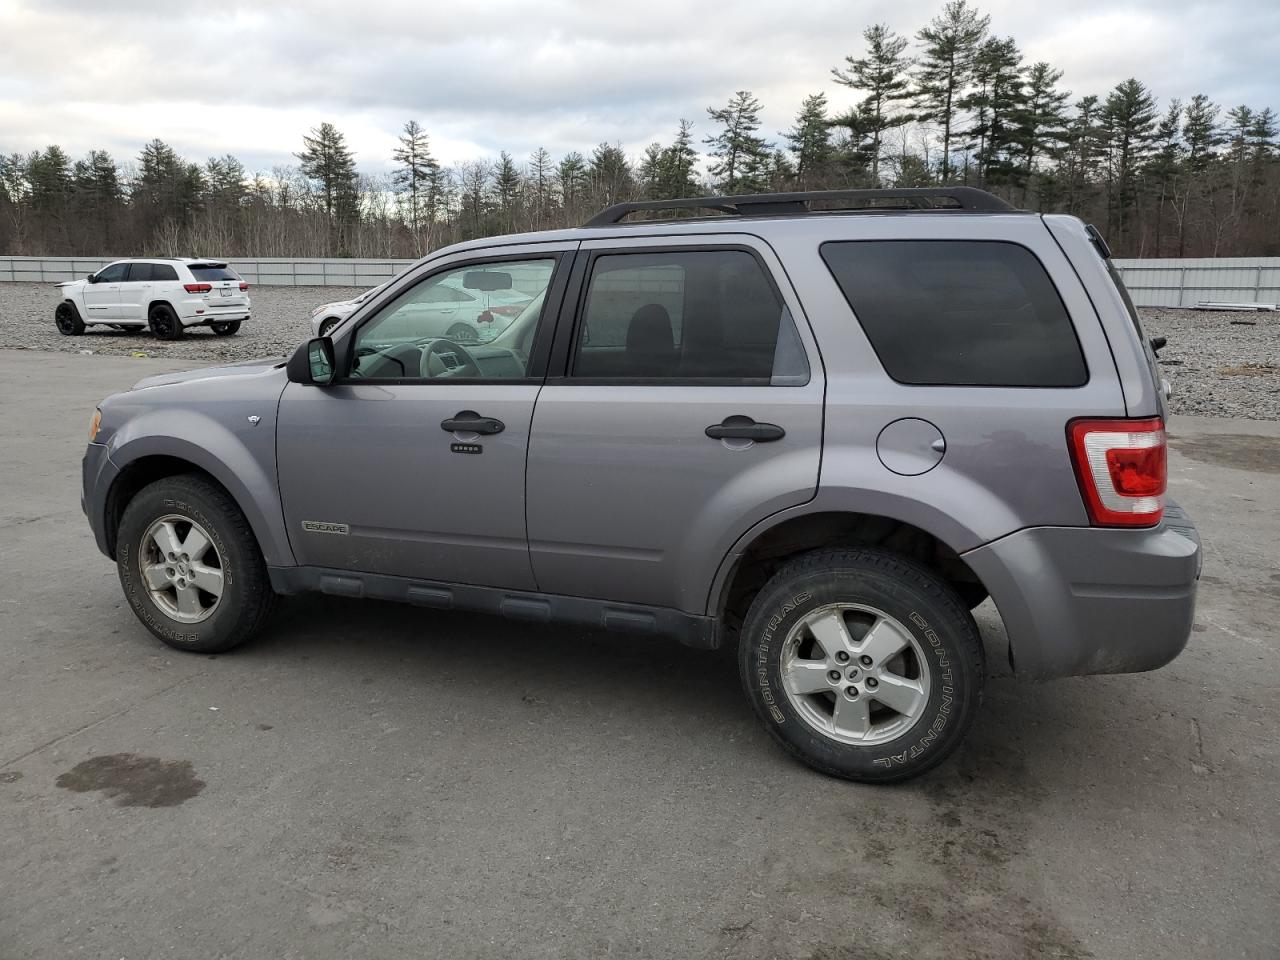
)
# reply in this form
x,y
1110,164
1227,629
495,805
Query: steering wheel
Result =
x,y
442,345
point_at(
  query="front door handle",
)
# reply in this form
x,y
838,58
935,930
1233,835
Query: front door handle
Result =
x,y
468,421
744,428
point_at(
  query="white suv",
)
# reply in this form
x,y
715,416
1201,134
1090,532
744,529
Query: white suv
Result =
x,y
166,295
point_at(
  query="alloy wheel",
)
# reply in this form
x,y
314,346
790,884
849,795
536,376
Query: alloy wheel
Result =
x,y
855,674
181,569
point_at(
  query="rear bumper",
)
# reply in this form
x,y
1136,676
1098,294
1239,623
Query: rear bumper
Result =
x,y
1083,600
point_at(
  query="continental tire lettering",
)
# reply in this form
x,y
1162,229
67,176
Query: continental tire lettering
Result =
x,y
944,705
762,656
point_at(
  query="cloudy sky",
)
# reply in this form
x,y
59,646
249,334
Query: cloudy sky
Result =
x,y
251,78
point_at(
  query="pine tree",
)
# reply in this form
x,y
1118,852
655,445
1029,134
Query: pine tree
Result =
x,y
571,180
742,157
1085,148
326,159
540,177
224,182
415,172
951,43
649,172
98,197
609,175
1128,120
167,188
1200,135
1041,122
996,102
50,176
810,142
507,191
678,164
882,74
1163,166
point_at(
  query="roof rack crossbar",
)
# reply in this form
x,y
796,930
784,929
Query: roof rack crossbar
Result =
x,y
790,204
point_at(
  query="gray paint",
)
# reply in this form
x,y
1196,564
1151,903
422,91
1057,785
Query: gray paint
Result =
x,y
625,500
910,446
203,417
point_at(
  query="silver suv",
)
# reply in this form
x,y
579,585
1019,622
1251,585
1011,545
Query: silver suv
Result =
x,y
822,427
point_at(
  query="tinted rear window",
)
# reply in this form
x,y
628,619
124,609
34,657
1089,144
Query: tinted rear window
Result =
x,y
959,312
140,272
208,273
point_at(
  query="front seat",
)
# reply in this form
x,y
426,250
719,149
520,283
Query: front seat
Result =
x,y
651,344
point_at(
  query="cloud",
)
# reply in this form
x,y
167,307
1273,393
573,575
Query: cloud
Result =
x,y
252,78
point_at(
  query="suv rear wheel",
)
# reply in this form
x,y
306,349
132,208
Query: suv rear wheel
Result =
x,y
862,664
190,566
67,319
164,322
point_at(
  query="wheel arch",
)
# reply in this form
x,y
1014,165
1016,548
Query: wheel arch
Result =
x,y
228,464
764,548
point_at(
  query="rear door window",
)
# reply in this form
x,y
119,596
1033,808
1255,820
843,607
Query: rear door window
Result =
x,y
210,273
140,273
959,312
686,316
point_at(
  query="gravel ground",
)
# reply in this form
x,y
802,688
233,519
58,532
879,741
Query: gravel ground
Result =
x,y
1220,364
281,320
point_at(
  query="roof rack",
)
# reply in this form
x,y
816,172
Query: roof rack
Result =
x,y
968,199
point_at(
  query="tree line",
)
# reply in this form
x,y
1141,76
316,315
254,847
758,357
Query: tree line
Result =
x,y
953,104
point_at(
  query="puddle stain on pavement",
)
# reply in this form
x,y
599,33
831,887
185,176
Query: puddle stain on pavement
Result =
x,y
134,781
1238,450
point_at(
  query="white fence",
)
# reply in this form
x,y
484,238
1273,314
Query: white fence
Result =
x,y
1185,282
268,271
1152,283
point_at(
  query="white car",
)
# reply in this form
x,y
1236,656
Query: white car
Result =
x,y
460,313
166,295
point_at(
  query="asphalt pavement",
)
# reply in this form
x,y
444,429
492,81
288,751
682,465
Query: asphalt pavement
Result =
x,y
381,781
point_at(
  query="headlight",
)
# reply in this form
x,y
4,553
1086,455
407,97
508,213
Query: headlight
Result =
x,y
95,425
320,309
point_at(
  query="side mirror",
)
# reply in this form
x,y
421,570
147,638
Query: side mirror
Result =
x,y
312,363
1158,343
92,278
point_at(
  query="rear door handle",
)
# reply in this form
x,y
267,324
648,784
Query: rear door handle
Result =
x,y
468,421
744,428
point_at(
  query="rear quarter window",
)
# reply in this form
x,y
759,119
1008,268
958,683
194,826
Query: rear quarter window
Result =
x,y
959,312
208,274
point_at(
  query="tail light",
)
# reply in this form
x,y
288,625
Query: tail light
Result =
x,y
197,287
1122,470
243,285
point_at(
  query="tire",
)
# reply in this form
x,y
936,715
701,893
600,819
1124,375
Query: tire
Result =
x,y
164,322
227,328
67,319
188,505
462,331
326,326
938,674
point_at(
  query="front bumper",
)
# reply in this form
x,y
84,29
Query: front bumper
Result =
x,y
97,474
1083,600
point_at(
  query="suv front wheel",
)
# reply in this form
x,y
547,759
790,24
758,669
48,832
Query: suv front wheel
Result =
x,y
863,664
190,566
